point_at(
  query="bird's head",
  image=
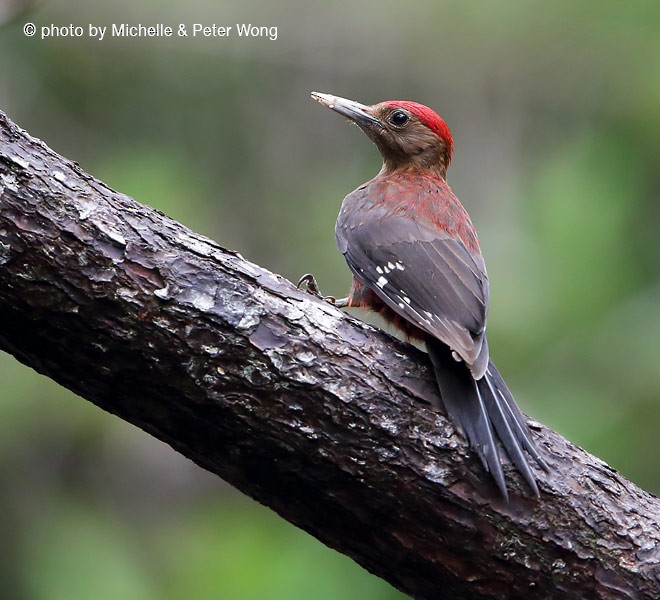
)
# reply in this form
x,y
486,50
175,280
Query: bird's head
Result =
x,y
409,136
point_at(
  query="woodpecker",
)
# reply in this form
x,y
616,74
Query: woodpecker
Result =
x,y
416,261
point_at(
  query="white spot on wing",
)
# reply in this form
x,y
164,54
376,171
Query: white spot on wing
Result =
x,y
401,305
379,270
382,282
390,265
406,299
400,266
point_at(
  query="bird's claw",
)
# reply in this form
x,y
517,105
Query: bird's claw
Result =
x,y
309,282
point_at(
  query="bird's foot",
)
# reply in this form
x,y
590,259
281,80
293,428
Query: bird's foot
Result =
x,y
308,281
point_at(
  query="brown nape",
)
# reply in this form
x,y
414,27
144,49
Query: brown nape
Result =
x,y
364,297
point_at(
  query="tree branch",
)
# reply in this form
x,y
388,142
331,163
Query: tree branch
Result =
x,y
321,418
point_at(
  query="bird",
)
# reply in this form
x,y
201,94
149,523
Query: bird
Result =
x,y
415,260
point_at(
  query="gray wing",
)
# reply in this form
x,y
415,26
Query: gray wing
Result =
x,y
425,276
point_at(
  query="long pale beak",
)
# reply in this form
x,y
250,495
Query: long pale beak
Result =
x,y
360,114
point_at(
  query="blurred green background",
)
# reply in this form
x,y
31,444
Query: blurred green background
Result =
x,y
555,110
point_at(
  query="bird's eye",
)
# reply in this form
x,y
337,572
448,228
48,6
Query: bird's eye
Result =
x,y
399,118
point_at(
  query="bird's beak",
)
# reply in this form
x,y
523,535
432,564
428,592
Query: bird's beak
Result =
x,y
360,114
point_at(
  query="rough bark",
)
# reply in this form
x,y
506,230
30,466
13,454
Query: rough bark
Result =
x,y
322,418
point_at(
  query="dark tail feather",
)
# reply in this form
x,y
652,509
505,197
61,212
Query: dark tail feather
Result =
x,y
484,409
521,429
463,402
508,429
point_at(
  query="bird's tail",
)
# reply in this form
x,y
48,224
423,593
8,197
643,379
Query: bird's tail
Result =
x,y
486,411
